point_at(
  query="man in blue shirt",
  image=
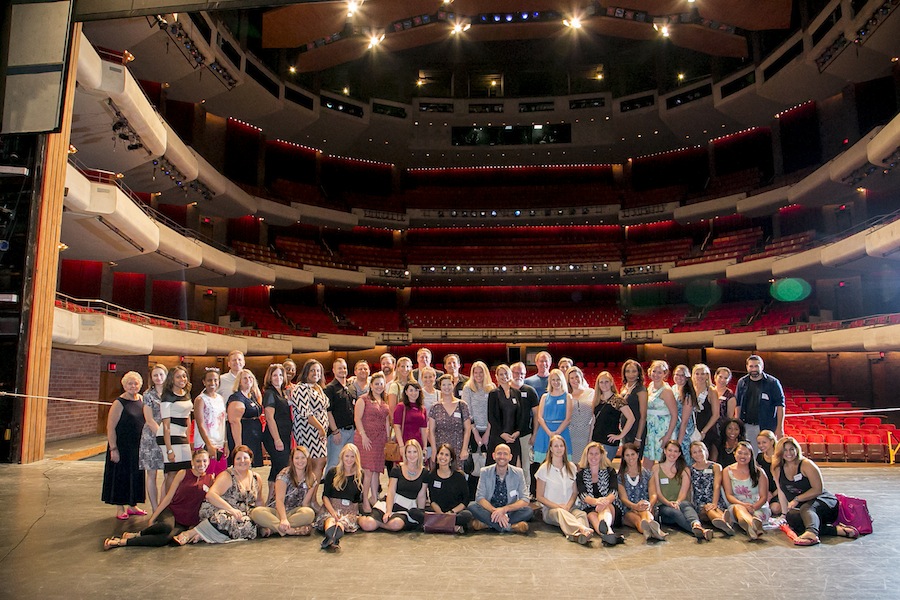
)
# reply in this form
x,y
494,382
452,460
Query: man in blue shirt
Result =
x,y
760,401
538,381
501,501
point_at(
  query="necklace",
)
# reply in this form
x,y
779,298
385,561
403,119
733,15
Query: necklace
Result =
x,y
633,480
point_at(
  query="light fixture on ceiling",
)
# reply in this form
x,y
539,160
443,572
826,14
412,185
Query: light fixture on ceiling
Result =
x,y
460,27
353,6
574,23
374,40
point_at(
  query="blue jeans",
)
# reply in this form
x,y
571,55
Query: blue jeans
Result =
x,y
334,450
684,518
484,515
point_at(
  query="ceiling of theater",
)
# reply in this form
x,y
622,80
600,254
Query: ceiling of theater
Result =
x,y
713,27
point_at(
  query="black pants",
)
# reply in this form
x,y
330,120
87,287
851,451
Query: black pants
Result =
x,y
157,535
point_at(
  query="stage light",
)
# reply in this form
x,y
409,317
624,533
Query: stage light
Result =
x,y
292,70
574,23
375,40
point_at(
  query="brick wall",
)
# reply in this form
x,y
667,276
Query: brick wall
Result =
x,y
77,375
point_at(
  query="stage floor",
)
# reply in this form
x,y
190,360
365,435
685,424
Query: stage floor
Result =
x,y
52,526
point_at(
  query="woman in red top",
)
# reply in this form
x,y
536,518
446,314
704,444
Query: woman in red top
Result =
x,y
183,500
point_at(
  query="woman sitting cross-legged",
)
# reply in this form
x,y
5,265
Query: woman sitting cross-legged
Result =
x,y
556,491
404,504
637,494
225,514
746,489
448,490
706,488
342,493
183,500
289,512
674,485
597,492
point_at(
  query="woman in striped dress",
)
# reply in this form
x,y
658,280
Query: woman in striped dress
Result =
x,y
309,411
175,408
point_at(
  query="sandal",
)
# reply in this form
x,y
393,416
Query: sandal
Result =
x,y
847,531
123,516
111,542
182,539
136,512
129,535
805,540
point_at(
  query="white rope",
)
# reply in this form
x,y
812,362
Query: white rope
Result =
x,y
842,412
12,395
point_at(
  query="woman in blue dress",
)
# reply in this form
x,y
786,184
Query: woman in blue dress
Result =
x,y
553,415
662,413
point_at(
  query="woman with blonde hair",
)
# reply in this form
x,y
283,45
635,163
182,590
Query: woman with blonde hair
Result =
x,y
706,410
309,411
289,511
342,493
402,376
554,413
475,394
598,491
557,493
404,505
243,410
123,481
609,409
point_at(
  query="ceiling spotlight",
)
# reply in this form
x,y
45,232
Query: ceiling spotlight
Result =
x,y
375,40
460,27
574,23
353,6
420,82
346,91
681,77
292,70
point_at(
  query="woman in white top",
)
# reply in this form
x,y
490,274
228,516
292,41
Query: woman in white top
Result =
x,y
209,422
475,394
557,493
402,376
430,394
582,410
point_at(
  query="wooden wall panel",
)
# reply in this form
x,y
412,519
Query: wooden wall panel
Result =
x,y
39,331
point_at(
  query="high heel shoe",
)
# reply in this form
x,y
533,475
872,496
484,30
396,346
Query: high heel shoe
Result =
x,y
329,540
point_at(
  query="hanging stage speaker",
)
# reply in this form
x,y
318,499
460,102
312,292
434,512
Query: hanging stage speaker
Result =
x,y
34,64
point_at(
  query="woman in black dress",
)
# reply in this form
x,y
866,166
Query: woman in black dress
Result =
x,y
123,480
609,410
448,491
403,508
278,423
707,409
504,415
635,393
244,408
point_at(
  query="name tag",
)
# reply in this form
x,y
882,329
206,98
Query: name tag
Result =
x,y
664,480
436,485
514,401
798,476
457,415
345,502
561,401
708,471
513,493
764,396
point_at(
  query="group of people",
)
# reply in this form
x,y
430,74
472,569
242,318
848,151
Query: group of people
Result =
x,y
487,450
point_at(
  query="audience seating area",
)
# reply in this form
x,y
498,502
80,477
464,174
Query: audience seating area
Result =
x,y
657,252
730,246
309,252
784,245
548,317
261,254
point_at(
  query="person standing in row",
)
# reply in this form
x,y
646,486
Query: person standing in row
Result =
x,y
151,456
635,394
309,409
244,411
760,401
176,409
123,480
340,412
277,436
210,422
227,381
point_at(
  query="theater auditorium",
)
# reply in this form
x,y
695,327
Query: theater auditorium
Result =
x,y
688,181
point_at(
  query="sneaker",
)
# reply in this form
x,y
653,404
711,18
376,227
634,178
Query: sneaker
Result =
x,y
520,527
